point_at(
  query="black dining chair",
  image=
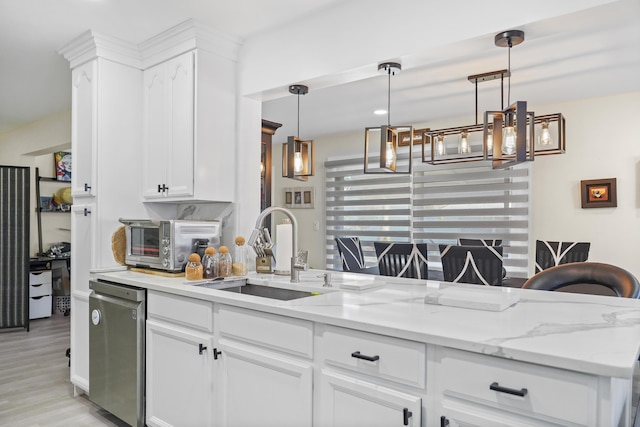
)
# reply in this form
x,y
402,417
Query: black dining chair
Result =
x,y
483,242
402,259
481,265
549,254
352,256
586,277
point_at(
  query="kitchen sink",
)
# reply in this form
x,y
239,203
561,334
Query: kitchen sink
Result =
x,y
269,292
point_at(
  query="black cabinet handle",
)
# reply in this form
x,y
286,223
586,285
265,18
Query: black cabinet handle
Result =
x,y
497,387
444,422
86,211
216,353
357,355
159,189
406,414
87,187
201,348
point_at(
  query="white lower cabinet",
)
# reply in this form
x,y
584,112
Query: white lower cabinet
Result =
x,y
368,379
261,388
480,390
348,401
265,377
179,376
179,361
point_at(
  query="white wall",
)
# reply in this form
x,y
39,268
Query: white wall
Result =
x,y
600,144
33,146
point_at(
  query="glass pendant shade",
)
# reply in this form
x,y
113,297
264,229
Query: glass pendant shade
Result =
x,y
489,140
390,155
297,162
464,147
297,158
545,135
440,147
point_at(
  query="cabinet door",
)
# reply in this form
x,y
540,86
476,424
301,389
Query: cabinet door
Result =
x,y
179,376
82,232
277,389
345,401
181,102
84,112
155,136
79,336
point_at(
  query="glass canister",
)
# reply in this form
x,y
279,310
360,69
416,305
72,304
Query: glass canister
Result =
x,y
209,267
224,262
193,269
239,266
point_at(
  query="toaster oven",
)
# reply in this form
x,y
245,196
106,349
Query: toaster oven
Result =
x,y
166,244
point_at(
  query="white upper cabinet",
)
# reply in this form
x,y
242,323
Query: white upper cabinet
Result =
x,y
169,128
189,116
84,133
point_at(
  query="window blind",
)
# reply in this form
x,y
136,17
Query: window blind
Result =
x,y
434,205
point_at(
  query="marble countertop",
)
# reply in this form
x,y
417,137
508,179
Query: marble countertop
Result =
x,y
585,333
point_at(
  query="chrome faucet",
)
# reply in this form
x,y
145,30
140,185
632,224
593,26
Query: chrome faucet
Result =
x,y
257,238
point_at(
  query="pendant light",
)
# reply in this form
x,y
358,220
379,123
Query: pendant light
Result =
x,y
510,129
297,154
469,146
389,136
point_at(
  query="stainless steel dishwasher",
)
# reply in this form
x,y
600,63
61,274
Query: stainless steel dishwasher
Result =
x,y
117,350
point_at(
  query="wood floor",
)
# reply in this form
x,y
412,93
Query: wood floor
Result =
x,y
34,380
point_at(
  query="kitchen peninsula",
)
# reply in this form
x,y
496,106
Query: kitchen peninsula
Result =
x,y
382,356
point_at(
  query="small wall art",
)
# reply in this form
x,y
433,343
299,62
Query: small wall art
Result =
x,y
63,165
299,197
599,193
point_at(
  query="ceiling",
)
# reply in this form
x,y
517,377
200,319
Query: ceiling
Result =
x,y
593,52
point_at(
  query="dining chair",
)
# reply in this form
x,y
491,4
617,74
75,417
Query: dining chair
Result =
x,y
549,254
484,242
576,276
481,265
402,259
351,254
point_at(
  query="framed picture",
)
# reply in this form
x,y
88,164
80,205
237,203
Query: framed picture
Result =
x,y
299,197
599,193
63,165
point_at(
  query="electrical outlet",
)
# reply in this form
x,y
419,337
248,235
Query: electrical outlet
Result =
x,y
316,226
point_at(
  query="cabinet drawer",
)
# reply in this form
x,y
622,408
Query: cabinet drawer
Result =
x,y
36,290
39,277
185,311
280,333
544,392
380,356
40,307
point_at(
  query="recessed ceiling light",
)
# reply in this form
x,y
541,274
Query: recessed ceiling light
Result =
x,y
380,112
